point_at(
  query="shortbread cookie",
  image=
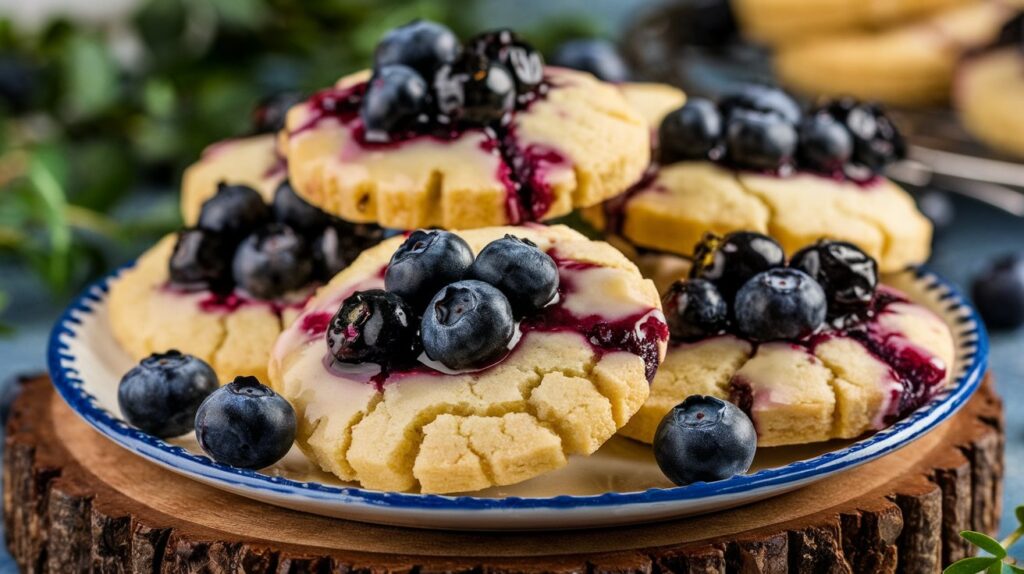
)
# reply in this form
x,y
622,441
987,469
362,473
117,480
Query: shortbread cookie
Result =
x,y
989,94
251,161
575,145
576,375
652,100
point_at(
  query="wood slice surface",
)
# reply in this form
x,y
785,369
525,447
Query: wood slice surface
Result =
x,y
74,501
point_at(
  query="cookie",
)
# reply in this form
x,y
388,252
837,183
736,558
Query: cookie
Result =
x,y
573,146
576,375
840,384
989,91
910,65
251,161
652,100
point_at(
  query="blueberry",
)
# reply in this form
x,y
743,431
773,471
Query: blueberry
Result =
x,y
373,327
162,393
234,211
694,310
508,49
422,45
475,91
998,292
599,57
876,141
468,325
704,439
825,144
245,424
1012,33
524,273
201,261
330,253
272,262
731,261
847,274
693,131
269,115
292,210
759,140
764,99
780,304
426,262
394,100
704,23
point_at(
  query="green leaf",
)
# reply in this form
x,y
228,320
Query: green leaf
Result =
x,y
985,542
970,565
90,77
44,173
1020,514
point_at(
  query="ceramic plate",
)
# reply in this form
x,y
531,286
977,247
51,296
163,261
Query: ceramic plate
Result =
x,y
620,484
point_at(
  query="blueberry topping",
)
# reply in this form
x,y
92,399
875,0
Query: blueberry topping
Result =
x,y
780,304
162,393
760,140
475,91
467,325
201,261
876,141
330,254
998,292
373,327
245,424
731,261
425,263
694,310
292,210
764,99
848,275
234,211
394,100
825,144
422,45
269,115
272,262
693,131
599,57
526,275
508,49
704,439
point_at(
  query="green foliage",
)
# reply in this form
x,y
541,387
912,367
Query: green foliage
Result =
x,y
998,559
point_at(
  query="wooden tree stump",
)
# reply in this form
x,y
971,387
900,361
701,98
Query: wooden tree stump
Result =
x,y
73,501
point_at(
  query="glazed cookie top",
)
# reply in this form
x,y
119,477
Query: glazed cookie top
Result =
x,y
481,134
574,371
251,161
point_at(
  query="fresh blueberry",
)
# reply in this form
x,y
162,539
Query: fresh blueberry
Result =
x,y
998,292
876,141
508,49
422,45
780,304
292,210
245,424
468,325
764,99
694,310
426,262
1012,33
825,144
759,140
201,261
234,211
269,115
524,273
704,23
704,439
373,327
847,274
330,253
599,57
394,100
475,91
162,393
731,261
272,262
693,131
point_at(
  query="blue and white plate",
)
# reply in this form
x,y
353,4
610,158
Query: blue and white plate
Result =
x,y
620,484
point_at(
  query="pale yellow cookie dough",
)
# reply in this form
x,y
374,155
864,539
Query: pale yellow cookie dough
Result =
x,y
990,99
553,397
652,100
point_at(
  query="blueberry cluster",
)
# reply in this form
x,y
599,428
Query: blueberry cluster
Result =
x,y
425,80
266,251
243,424
459,310
763,128
741,283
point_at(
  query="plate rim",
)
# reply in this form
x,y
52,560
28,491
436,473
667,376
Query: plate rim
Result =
x,y
69,385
